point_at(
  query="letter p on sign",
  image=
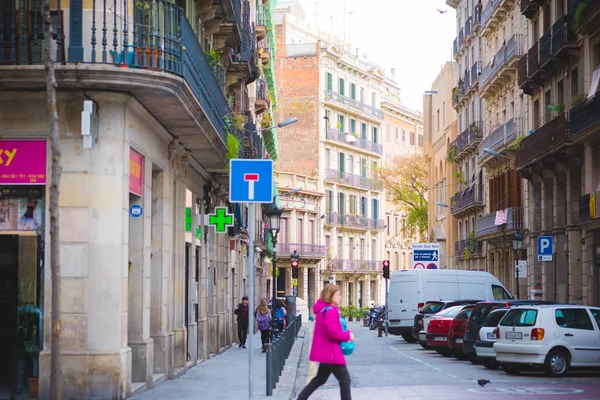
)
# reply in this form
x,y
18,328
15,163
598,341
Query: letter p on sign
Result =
x,y
545,248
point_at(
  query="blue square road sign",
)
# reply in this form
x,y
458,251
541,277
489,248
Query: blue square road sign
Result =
x,y
250,181
545,248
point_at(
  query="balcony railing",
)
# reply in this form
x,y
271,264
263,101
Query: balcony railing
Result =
x,y
529,8
585,115
303,249
589,207
475,72
522,71
354,105
563,35
493,223
533,60
504,56
354,221
352,179
354,265
461,37
467,27
475,249
545,43
476,18
590,20
455,47
334,134
464,199
543,141
500,135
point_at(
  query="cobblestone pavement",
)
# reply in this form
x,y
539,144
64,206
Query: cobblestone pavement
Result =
x,y
389,368
225,377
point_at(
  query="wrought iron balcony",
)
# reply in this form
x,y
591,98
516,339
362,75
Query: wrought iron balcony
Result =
x,y
492,224
261,23
304,250
545,141
500,136
264,49
253,144
590,15
354,221
545,43
523,76
493,13
334,134
333,218
533,63
455,48
462,40
349,179
585,118
476,19
354,105
354,265
475,249
262,101
467,28
589,207
564,39
530,8
503,63
475,73
466,200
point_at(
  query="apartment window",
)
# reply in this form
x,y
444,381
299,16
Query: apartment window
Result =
x,y
311,231
353,91
329,201
505,190
363,131
341,123
361,249
341,204
352,200
341,162
420,140
328,244
362,95
283,230
300,230
375,210
536,114
547,101
403,135
560,93
375,135
373,249
363,206
412,138
374,99
438,120
327,158
363,167
351,248
329,81
353,126
351,164
395,226
397,133
340,246
388,224
341,86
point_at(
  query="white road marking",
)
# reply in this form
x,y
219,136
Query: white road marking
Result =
x,y
422,362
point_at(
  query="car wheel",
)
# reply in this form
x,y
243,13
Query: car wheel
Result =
x,y
557,363
424,345
408,337
493,365
511,369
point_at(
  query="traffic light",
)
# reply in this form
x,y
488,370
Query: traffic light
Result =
x,y
386,269
295,261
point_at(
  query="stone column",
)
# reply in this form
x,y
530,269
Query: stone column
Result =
x,y
574,183
547,214
559,219
203,309
192,324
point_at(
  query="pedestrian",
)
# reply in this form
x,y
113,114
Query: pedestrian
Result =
x,y
263,322
326,341
242,321
280,314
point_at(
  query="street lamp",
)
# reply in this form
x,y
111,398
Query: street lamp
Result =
x,y
283,123
274,215
493,153
517,243
439,203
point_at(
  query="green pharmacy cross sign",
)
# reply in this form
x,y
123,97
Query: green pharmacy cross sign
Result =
x,y
220,220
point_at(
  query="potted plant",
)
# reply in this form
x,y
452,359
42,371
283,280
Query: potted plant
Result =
x,y
344,311
29,321
451,154
578,99
351,312
238,120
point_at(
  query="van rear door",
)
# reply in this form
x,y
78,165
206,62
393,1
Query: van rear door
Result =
x,y
403,302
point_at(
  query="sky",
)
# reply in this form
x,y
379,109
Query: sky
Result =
x,y
408,35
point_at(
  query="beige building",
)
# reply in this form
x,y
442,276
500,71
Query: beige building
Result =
x,y
403,135
440,126
559,74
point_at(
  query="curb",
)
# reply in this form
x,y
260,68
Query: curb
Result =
x,y
287,381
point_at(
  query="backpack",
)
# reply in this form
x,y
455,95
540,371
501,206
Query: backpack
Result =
x,y
279,315
263,322
347,347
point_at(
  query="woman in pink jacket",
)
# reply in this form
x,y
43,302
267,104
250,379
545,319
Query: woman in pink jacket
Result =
x,y
326,344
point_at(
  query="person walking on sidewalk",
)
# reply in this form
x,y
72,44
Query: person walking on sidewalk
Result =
x,y
263,322
242,321
326,341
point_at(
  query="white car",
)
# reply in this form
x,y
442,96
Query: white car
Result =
x,y
555,337
484,347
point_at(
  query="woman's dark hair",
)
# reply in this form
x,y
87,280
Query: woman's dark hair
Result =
x,y
279,303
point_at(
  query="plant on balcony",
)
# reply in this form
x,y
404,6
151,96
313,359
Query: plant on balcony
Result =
x,y
355,135
233,148
451,154
557,108
517,144
266,120
580,14
578,99
338,126
238,120
470,245
459,178
475,128
213,56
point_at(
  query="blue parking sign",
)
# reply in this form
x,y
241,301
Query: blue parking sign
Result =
x,y
250,181
545,248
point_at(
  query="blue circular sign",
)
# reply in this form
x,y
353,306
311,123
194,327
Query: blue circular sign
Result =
x,y
136,211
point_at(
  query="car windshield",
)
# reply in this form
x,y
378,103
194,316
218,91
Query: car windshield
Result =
x,y
432,307
494,318
519,317
450,312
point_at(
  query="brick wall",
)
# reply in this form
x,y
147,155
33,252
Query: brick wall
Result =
x,y
298,94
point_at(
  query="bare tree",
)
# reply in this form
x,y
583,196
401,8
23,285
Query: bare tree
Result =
x,y
55,370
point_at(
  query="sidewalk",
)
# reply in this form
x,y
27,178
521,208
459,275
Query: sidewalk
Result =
x,y
225,377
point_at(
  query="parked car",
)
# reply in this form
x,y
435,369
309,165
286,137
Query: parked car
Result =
x,y
437,330
555,337
425,314
410,289
484,347
478,315
458,326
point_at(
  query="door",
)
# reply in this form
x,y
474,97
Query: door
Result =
x,y
579,334
9,251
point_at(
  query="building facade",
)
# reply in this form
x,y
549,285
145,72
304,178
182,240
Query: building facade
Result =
x,y
559,75
440,126
403,136
148,289
338,140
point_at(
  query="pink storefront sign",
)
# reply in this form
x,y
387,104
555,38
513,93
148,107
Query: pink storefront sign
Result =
x,y
136,173
22,162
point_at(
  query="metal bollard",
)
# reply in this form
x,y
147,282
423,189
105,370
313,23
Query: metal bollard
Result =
x,y
270,384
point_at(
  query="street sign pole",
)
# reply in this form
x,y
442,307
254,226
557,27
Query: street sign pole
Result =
x,y
251,298
386,307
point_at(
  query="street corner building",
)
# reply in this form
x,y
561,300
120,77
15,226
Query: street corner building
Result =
x,y
153,100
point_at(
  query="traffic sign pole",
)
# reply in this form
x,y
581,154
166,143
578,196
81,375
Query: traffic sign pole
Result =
x,y
251,298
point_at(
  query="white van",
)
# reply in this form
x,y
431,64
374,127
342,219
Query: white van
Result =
x,y
410,289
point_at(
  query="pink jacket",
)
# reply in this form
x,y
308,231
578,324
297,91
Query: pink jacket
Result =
x,y
328,335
